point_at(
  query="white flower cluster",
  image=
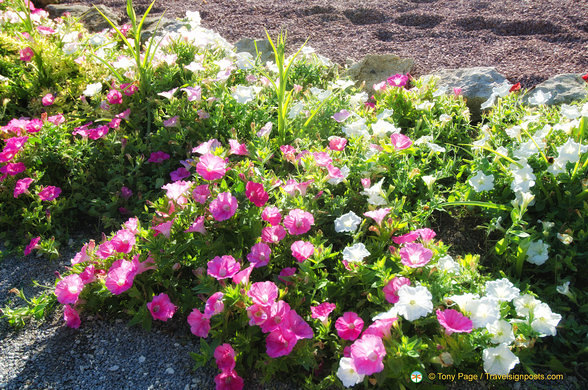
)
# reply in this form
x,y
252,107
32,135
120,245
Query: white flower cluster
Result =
x,y
485,313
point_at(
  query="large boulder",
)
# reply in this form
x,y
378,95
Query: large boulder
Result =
x,y
89,16
563,88
476,85
373,69
264,47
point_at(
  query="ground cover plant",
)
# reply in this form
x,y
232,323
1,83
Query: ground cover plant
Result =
x,y
285,214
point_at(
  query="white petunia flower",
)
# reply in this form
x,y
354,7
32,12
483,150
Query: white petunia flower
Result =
x,y
392,313
355,253
523,178
484,311
295,110
387,113
414,302
358,98
464,301
381,128
539,97
525,304
425,106
481,182
347,223
501,332
544,320
92,89
447,264
356,129
374,194
244,95
320,94
499,360
568,152
347,373
501,289
565,238
429,181
537,253
444,118
564,288
570,112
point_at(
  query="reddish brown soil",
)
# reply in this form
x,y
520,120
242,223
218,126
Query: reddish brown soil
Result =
x,y
527,40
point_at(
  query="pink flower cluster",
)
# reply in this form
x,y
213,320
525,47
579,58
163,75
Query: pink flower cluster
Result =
x,y
413,254
228,379
284,325
367,352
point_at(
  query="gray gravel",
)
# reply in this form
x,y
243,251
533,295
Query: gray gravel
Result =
x,y
100,355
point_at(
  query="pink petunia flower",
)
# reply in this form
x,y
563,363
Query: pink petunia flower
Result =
x,y
224,355
49,193
197,226
256,193
415,255
237,148
398,80
163,228
84,253
120,276
201,193
228,380
288,151
337,143
193,93
177,189
7,155
322,311
88,275
71,317
33,244
123,241
454,322
207,147
349,326
273,234
161,307
286,273
48,100
56,119
211,167
243,275
302,250
158,157
322,159
223,207
378,215
298,221
179,174
368,354
341,115
26,54
263,293
380,328
105,250
426,234
174,121
126,192
295,323
13,169
257,314
276,313
69,288
132,225
114,97
400,141
280,342
214,305
223,267
408,237
34,125
391,289
272,215
199,324
259,255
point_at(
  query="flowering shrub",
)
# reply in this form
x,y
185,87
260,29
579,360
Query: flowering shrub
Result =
x,y
309,246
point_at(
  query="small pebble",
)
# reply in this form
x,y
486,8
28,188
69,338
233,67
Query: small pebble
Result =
x,y
170,371
141,359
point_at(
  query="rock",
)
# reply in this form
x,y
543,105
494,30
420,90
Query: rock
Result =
x,y
476,85
564,88
91,18
166,24
375,68
263,47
